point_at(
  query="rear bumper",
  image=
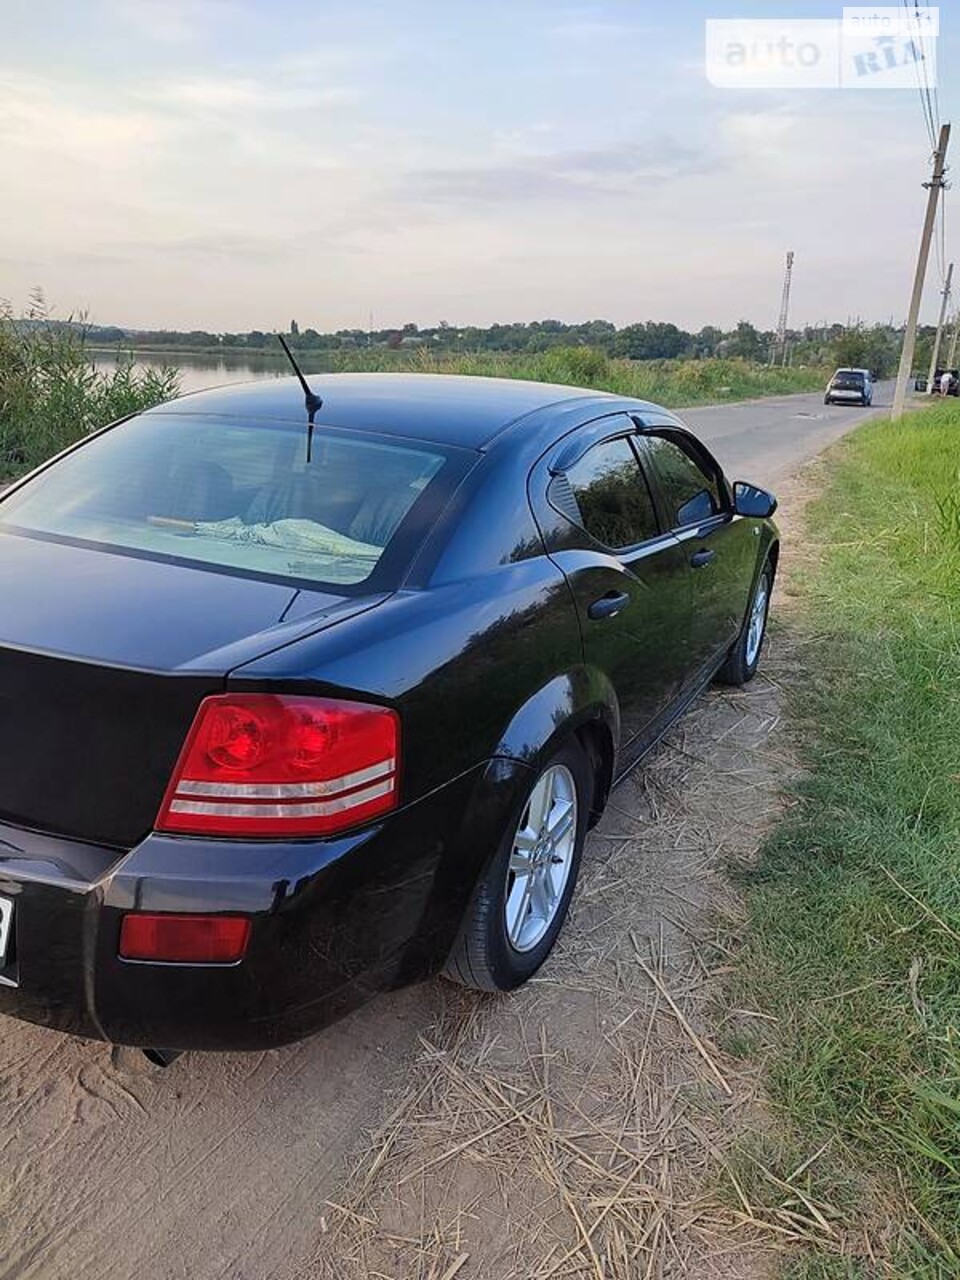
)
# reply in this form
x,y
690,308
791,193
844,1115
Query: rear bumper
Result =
x,y
333,921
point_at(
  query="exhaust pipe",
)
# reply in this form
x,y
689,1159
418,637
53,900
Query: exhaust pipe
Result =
x,y
162,1057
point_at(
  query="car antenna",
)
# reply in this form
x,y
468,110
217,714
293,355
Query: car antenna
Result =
x,y
311,399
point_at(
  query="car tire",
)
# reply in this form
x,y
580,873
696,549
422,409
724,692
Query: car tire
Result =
x,y
827,400
504,937
744,658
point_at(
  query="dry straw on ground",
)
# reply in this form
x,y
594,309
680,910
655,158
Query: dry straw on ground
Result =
x,y
584,1126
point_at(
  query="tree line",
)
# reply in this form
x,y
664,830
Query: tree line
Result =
x,y
876,347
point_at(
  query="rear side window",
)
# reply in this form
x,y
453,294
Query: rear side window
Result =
x,y
612,495
691,494
242,496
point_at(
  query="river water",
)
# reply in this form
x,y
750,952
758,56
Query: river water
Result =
x,y
197,371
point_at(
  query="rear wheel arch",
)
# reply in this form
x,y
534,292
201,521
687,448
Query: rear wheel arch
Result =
x,y
485,954
576,708
567,704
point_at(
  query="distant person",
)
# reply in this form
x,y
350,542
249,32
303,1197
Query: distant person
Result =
x,y
946,378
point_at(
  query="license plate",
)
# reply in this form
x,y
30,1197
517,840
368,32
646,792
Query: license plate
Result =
x,y
6,919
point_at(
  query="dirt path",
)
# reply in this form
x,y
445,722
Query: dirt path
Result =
x,y
578,1128
214,1168
582,1126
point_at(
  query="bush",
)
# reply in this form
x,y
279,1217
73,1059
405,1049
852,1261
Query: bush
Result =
x,y
675,383
51,394
581,366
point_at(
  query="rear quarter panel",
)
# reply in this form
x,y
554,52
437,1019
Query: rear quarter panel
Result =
x,y
458,661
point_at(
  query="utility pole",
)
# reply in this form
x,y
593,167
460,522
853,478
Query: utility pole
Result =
x,y
936,342
952,358
934,187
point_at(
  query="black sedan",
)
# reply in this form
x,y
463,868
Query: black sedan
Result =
x,y
294,713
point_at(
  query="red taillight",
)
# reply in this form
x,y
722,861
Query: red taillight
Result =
x,y
262,764
184,939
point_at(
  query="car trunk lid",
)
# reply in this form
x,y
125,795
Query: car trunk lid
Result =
x,y
99,685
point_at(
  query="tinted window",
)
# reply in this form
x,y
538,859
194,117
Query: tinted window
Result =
x,y
612,496
691,495
233,495
849,379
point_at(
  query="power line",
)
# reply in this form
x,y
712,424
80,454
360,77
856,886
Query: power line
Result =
x,y
930,109
933,103
920,74
942,254
942,243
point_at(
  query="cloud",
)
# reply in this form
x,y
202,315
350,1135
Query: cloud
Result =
x,y
786,142
42,117
231,94
306,64
170,21
54,130
613,171
198,247
578,30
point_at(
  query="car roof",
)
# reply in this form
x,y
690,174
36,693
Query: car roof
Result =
x,y
444,408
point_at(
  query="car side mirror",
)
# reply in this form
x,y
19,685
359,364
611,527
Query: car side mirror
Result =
x,y
749,500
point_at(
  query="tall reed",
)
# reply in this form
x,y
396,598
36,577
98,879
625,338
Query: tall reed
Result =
x,y
51,394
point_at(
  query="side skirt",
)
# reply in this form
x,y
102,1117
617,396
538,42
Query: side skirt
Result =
x,y
670,717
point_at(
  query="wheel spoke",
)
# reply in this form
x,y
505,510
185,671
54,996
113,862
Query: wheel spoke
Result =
x,y
525,840
541,898
540,801
550,883
561,819
518,907
521,864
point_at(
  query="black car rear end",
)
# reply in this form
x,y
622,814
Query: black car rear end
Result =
x,y
131,592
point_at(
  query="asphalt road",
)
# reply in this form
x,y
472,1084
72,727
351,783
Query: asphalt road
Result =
x,y
764,440
220,1167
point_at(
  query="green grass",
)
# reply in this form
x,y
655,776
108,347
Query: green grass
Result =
x,y
51,395
853,940
669,382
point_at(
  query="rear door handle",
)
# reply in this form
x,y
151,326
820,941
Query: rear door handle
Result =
x,y
608,606
700,558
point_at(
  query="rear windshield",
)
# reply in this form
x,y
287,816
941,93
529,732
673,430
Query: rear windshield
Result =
x,y
243,497
848,378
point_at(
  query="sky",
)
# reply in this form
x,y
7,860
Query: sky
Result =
x,y
234,164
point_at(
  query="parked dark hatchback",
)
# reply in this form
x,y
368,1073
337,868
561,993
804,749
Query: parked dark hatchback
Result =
x,y
291,717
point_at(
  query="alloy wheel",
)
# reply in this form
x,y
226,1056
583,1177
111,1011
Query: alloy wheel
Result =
x,y
541,858
758,620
